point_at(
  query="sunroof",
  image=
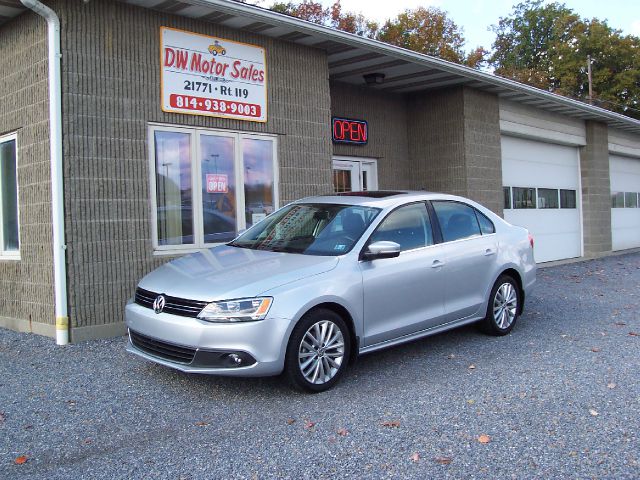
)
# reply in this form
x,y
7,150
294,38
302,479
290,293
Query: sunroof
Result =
x,y
370,194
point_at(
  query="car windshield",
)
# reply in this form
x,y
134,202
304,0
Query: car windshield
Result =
x,y
309,228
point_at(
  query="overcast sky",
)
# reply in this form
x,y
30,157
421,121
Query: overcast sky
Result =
x,y
475,16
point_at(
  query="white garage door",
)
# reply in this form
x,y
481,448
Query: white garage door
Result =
x,y
542,193
625,214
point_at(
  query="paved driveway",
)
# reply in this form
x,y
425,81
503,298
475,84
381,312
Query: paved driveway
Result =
x,y
559,397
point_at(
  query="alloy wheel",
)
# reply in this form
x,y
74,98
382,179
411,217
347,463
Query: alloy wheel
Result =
x,y
505,305
321,352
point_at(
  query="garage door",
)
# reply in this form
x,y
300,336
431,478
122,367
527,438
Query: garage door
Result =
x,y
625,214
542,193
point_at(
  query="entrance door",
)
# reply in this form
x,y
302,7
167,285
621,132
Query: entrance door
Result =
x,y
354,175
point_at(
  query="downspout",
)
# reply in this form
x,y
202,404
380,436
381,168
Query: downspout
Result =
x,y
55,148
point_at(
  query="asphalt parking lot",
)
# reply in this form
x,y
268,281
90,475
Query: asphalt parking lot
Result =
x,y
557,398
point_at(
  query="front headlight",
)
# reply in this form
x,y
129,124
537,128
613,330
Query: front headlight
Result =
x,y
241,310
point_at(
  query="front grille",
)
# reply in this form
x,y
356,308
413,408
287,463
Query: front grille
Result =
x,y
158,348
173,305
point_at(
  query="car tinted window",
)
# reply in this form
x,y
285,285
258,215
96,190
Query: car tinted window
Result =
x,y
408,226
457,220
486,225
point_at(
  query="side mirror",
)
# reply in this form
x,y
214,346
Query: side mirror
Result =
x,y
382,249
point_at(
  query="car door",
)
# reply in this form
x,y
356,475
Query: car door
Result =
x,y
470,251
405,294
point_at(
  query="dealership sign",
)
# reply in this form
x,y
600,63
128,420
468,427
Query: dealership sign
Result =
x,y
202,75
346,130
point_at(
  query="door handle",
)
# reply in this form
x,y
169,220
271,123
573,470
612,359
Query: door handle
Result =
x,y
489,251
437,264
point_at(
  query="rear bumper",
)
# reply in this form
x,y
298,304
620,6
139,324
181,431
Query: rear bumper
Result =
x,y
195,346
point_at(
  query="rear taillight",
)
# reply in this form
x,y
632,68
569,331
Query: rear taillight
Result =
x,y
531,240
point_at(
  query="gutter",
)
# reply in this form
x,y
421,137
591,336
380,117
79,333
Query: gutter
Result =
x,y
55,149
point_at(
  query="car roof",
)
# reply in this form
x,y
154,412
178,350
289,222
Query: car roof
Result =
x,y
380,198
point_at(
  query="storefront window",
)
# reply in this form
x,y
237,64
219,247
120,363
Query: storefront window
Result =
x,y
173,188
257,156
9,237
197,174
217,155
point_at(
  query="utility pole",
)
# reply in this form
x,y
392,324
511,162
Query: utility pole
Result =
x,y
590,82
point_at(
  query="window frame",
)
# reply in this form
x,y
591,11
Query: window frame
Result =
x,y
196,181
11,254
557,195
575,199
510,197
513,198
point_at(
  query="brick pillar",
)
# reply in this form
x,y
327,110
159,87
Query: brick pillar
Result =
x,y
596,189
454,144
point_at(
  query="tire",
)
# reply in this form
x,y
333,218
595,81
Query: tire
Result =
x,y
310,366
503,307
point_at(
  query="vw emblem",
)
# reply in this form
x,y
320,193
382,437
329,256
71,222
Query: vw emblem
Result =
x,y
158,304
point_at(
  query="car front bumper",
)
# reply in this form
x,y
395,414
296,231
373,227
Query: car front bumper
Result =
x,y
191,345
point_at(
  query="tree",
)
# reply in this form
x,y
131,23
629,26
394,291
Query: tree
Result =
x,y
424,30
547,46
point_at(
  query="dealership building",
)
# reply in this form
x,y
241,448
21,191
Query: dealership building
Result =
x,y
135,131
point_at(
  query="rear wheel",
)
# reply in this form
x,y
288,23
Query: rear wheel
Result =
x,y
503,307
318,351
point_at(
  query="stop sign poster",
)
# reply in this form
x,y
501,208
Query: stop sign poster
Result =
x,y
203,75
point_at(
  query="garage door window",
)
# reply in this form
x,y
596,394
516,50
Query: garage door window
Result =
x,y
631,200
617,200
567,199
547,198
207,185
507,197
524,197
9,237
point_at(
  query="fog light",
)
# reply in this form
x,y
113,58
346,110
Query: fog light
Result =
x,y
235,358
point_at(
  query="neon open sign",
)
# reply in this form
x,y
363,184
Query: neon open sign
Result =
x,y
346,130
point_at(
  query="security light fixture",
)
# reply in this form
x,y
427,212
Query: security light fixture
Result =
x,y
373,78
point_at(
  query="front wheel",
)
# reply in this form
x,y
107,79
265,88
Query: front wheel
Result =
x,y
318,351
503,308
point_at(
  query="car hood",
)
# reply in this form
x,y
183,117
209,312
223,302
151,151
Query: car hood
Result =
x,y
224,272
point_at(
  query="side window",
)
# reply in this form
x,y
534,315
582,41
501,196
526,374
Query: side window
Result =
x,y
408,226
486,225
457,220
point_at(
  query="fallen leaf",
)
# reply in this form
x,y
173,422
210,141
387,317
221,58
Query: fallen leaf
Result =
x,y
415,458
484,438
620,324
443,460
593,412
343,432
291,421
471,401
332,439
611,385
451,356
595,349
2,417
308,424
21,460
391,423
472,367
87,441
522,395
201,424
634,334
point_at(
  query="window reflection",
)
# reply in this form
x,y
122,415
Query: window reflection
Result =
x,y
257,156
173,188
9,197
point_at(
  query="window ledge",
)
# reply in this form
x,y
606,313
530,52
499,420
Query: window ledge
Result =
x,y
11,257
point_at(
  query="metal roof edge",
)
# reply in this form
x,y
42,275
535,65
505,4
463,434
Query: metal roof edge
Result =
x,y
260,13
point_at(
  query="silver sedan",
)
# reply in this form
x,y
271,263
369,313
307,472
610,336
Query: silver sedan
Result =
x,y
326,278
